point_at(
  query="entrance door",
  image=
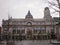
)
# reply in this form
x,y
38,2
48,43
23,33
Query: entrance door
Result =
x,y
29,34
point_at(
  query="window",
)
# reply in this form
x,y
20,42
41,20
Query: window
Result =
x,y
14,31
35,31
29,32
5,29
29,23
18,31
22,31
39,31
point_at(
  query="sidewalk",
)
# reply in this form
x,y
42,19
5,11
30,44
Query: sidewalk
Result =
x,y
54,41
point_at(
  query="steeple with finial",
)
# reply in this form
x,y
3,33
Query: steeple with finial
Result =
x,y
9,17
29,15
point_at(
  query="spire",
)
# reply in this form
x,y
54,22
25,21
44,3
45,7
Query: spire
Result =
x,y
29,12
29,15
9,17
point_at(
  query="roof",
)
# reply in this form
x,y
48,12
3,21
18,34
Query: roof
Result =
x,y
29,15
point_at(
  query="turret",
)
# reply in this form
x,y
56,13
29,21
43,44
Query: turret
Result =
x,y
29,15
47,15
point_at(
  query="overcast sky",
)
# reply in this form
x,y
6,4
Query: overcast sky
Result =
x,y
19,8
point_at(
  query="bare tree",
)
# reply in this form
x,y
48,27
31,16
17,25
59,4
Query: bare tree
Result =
x,y
55,5
57,9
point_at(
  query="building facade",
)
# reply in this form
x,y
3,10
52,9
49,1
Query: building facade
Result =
x,y
29,28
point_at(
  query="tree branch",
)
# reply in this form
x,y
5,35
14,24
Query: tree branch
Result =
x,y
53,4
54,9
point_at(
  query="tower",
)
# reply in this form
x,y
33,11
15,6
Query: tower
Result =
x,y
29,16
47,15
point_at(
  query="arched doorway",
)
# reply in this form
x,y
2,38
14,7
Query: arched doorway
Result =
x,y
29,34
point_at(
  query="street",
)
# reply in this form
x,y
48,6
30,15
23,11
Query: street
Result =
x,y
30,42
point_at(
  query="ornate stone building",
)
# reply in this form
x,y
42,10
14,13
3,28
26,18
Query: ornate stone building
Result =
x,y
29,28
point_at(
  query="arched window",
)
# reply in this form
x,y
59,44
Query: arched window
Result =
x,y
29,23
